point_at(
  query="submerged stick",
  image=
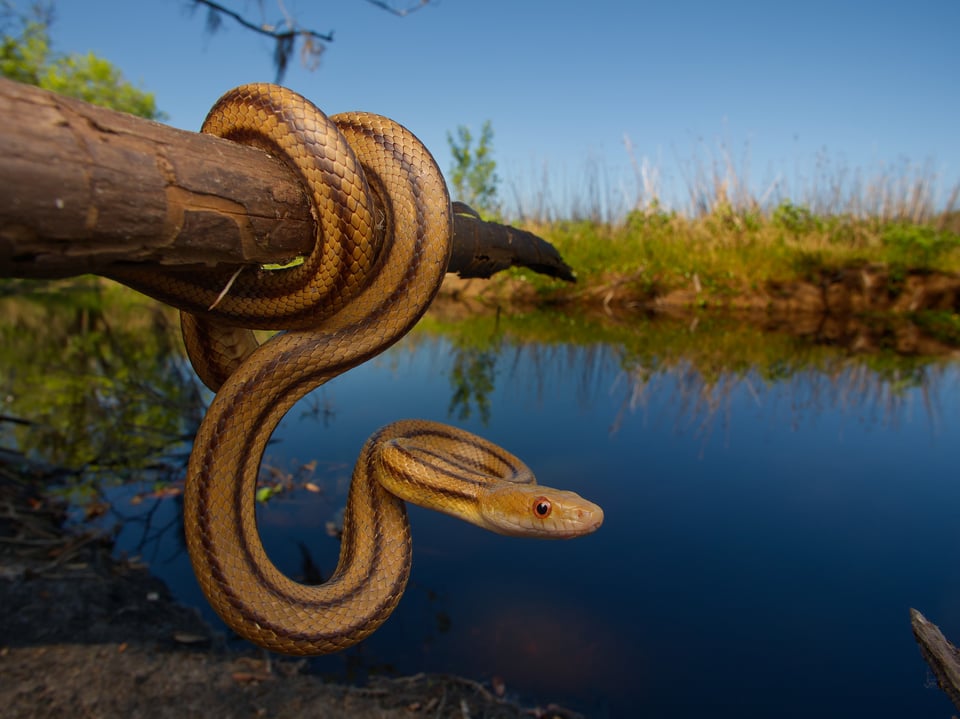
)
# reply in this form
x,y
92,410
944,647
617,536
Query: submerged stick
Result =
x,y
940,654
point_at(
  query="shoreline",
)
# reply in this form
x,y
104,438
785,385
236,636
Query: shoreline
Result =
x,y
84,634
864,309
852,291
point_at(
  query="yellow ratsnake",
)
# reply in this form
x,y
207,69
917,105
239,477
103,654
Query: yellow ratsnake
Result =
x,y
384,234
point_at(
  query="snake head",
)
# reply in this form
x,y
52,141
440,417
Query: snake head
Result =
x,y
458,473
535,511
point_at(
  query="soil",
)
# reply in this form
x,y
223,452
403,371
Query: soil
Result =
x,y
85,635
844,292
865,308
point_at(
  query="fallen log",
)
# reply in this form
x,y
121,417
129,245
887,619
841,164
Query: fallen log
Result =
x,y
85,188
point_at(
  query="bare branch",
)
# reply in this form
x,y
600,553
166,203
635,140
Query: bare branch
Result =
x,y
263,28
400,12
481,248
314,43
286,33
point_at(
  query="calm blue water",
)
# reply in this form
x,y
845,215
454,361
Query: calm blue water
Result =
x,y
762,544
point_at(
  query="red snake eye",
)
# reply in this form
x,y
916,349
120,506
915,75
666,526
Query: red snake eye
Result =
x,y
542,507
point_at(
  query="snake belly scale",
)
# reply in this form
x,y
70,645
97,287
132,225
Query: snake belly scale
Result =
x,y
383,248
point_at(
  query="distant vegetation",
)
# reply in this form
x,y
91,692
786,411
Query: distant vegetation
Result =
x,y
473,175
728,239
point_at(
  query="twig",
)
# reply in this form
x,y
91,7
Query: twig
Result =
x,y
226,288
401,12
264,29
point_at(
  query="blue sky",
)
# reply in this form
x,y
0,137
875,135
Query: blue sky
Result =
x,y
867,86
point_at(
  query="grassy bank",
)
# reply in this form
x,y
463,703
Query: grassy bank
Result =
x,y
732,239
727,252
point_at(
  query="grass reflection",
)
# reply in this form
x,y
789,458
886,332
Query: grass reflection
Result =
x,y
96,383
706,358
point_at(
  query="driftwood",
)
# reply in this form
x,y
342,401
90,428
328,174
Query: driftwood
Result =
x,y
940,654
85,187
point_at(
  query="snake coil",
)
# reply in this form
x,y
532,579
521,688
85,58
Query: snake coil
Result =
x,y
384,239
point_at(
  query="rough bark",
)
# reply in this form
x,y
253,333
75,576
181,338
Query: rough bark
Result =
x,y
85,187
481,248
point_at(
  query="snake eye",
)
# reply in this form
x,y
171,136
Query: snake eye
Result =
x,y
542,507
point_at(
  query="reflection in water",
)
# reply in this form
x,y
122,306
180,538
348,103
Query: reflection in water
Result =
x,y
95,381
703,364
773,506
472,377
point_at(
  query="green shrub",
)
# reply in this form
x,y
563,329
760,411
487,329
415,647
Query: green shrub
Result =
x,y
795,219
918,246
652,219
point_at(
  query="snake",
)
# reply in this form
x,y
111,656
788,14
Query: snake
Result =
x,y
383,243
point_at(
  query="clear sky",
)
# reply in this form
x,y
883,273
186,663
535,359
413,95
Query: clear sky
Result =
x,y
866,85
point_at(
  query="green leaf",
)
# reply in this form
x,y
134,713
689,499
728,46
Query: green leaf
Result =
x,y
264,494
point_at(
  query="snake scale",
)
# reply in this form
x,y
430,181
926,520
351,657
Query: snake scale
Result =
x,y
384,238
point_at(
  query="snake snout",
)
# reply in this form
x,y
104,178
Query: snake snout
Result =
x,y
590,517
583,518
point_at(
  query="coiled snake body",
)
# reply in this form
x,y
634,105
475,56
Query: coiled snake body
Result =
x,y
383,246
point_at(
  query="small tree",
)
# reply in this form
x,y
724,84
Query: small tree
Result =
x,y
473,174
27,57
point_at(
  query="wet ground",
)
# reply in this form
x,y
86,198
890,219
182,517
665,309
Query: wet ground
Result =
x,y
85,635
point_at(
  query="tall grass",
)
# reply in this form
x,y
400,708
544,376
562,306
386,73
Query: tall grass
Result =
x,y
729,234
712,177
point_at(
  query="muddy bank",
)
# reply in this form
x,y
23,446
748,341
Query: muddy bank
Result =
x,y
855,290
866,309
84,635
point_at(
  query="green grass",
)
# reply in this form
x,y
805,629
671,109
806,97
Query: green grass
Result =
x,y
731,237
729,251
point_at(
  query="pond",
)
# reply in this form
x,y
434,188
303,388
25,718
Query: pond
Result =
x,y
773,508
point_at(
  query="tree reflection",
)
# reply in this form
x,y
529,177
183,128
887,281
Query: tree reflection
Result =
x,y
476,347
472,377
95,380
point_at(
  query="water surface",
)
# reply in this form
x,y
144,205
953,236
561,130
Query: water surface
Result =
x,y
773,508
763,540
